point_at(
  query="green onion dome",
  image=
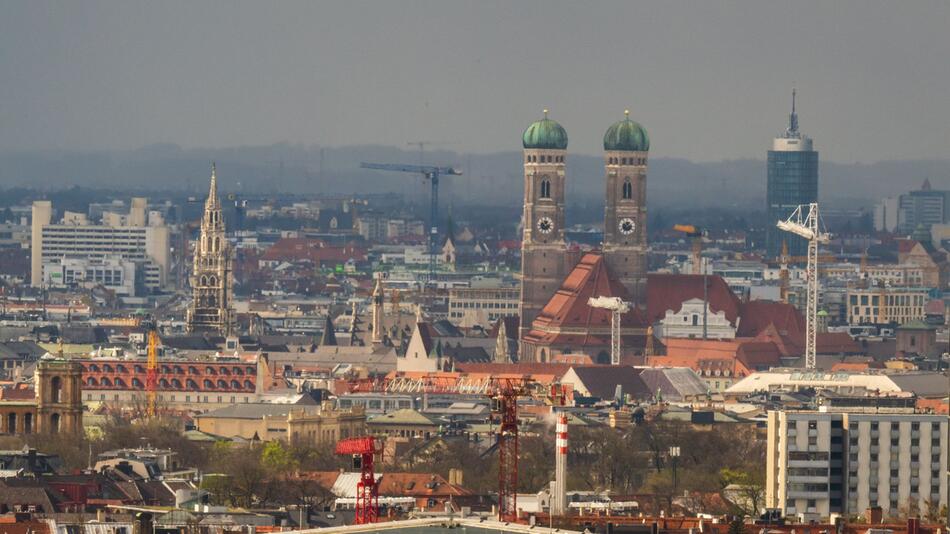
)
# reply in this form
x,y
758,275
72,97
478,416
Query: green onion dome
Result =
x,y
545,134
627,135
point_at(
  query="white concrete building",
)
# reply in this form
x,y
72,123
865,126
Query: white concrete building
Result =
x,y
820,463
73,237
482,306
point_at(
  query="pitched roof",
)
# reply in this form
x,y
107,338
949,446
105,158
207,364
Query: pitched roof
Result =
x,y
756,315
528,368
836,343
602,381
568,308
403,417
670,291
257,410
905,246
674,383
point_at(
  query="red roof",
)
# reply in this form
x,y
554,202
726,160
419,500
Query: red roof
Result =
x,y
904,246
756,315
836,343
568,308
291,249
19,392
670,291
557,369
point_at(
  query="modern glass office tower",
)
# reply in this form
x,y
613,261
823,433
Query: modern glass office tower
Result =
x,y
792,180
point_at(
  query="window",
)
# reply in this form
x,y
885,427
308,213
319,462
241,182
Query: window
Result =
x,y
545,188
627,189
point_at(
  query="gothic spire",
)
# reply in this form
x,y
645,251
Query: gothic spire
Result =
x,y
213,190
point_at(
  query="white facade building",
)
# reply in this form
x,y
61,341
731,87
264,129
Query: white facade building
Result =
x,y
822,463
688,322
74,238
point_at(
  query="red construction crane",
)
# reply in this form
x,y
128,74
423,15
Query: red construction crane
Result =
x,y
504,406
367,491
504,393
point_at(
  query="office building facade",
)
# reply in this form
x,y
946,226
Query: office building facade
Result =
x,y
792,180
822,463
924,207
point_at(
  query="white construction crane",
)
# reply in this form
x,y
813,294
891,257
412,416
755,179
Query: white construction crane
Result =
x,y
807,225
617,308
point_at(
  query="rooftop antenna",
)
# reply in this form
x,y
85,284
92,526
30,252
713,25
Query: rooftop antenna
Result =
x,y
793,118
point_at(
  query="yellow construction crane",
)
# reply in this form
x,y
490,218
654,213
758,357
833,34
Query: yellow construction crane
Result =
x,y
695,234
151,372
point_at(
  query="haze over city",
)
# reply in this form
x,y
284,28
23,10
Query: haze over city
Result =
x,y
711,79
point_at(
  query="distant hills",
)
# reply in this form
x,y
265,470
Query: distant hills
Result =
x,y
489,178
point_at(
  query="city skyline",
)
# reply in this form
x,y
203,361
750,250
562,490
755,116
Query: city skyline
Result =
x,y
710,84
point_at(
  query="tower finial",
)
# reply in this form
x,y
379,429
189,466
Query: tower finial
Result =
x,y
626,113
545,113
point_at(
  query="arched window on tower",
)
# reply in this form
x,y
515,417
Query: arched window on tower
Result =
x,y
627,189
545,188
56,389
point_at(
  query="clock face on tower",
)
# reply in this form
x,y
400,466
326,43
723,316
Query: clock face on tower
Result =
x,y
545,225
627,226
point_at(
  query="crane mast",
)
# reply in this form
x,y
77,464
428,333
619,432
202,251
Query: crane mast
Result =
x,y
364,450
617,308
805,222
432,174
151,372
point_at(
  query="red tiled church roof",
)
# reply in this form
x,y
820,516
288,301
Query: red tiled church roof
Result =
x,y
568,319
589,278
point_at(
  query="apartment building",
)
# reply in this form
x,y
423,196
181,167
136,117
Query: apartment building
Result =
x,y
127,239
821,462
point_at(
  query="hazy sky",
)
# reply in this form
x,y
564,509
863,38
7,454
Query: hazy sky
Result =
x,y
709,80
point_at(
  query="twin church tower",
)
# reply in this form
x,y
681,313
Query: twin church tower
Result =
x,y
545,259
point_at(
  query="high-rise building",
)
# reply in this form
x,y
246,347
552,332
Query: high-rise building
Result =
x,y
792,180
820,463
212,277
131,242
543,248
924,207
625,216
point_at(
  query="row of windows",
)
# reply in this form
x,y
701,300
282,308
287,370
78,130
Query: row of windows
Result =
x,y
173,398
544,158
171,369
164,383
626,161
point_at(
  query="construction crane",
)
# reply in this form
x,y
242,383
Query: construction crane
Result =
x,y
363,451
432,174
504,406
503,394
695,234
617,308
151,372
805,222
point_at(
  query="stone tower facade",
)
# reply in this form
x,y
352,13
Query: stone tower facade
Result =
x,y
543,249
58,383
212,278
625,216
